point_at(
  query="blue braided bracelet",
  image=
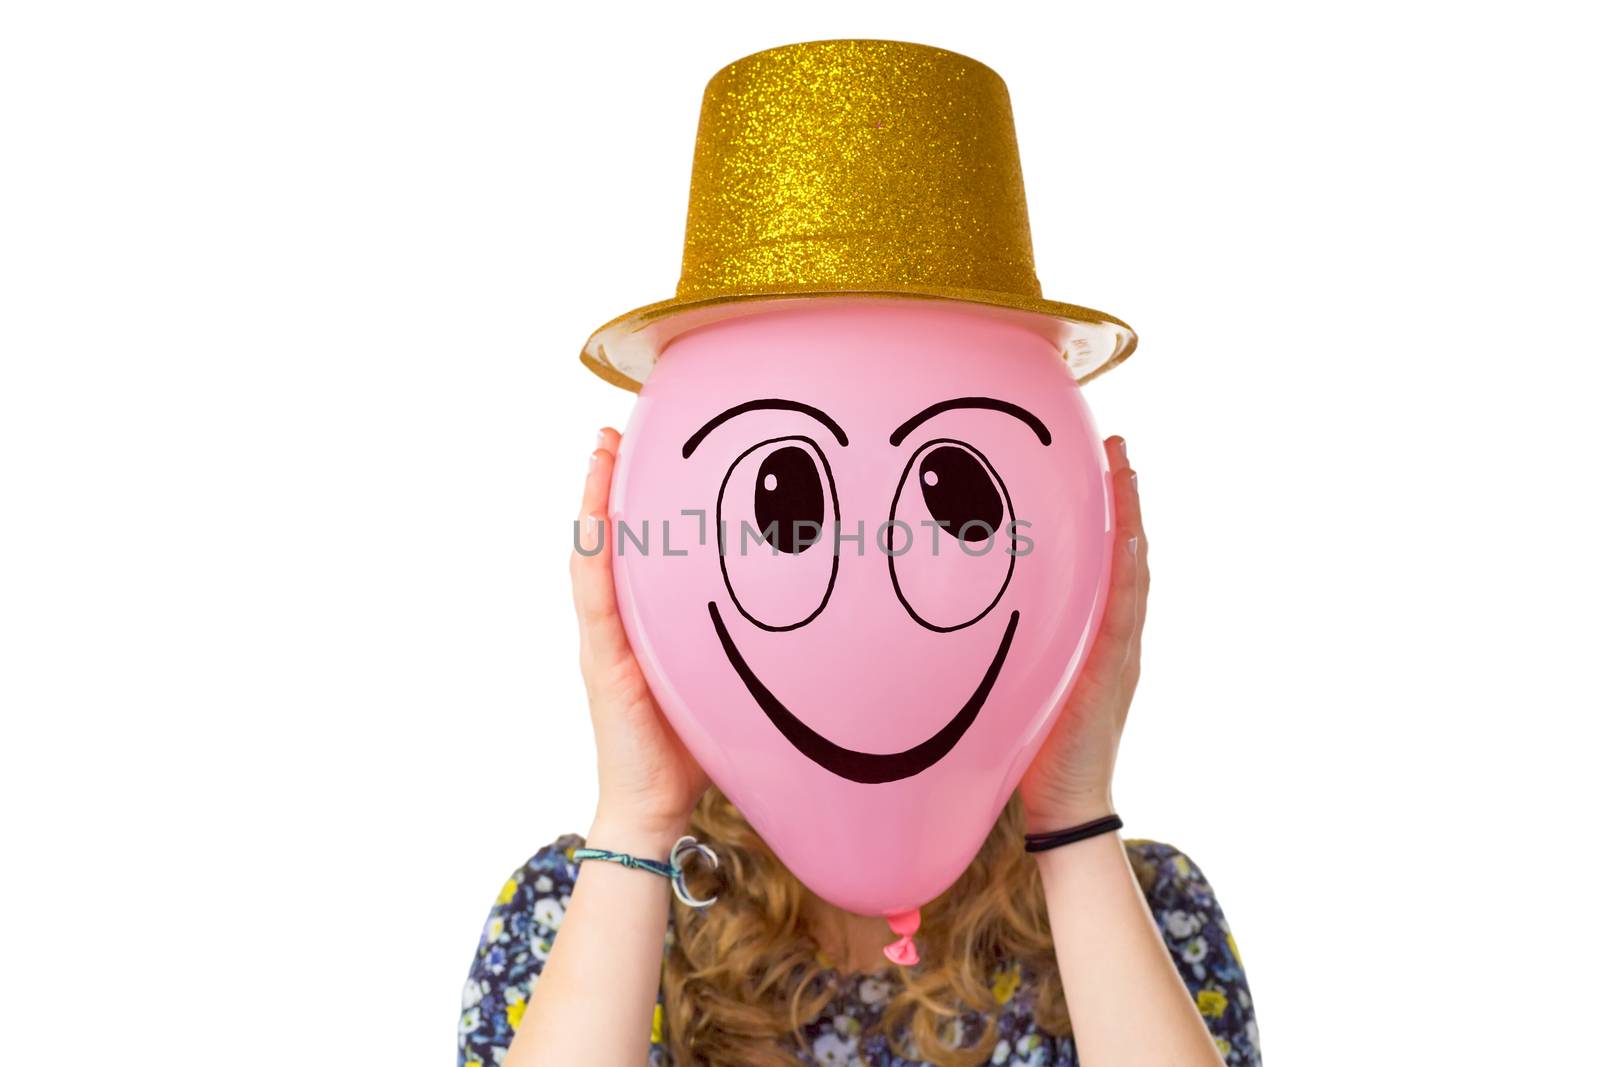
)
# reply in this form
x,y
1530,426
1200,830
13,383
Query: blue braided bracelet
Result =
x,y
672,870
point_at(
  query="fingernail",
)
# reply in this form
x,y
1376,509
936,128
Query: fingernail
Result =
x,y
1133,480
594,457
591,523
600,439
1122,448
1133,546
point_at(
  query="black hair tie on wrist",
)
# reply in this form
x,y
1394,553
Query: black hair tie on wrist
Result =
x,y
1057,838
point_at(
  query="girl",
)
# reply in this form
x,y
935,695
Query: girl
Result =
x,y
1101,952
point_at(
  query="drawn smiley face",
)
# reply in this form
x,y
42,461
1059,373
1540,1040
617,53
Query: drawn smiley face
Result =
x,y
795,505
866,547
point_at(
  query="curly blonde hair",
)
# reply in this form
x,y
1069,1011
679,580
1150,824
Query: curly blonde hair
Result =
x,y
746,973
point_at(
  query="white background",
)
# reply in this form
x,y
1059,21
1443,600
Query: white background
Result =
x,y
292,426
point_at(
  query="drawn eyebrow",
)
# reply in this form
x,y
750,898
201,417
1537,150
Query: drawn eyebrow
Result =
x,y
984,402
756,405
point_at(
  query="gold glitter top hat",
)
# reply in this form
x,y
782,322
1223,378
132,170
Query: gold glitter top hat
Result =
x,y
851,168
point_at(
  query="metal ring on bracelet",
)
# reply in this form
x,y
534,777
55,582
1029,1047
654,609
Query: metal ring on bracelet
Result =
x,y
688,846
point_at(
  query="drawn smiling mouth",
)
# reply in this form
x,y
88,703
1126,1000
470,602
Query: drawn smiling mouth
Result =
x,y
868,768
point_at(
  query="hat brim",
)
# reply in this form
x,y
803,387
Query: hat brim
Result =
x,y
624,349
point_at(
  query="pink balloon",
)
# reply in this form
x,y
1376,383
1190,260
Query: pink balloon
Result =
x,y
869,705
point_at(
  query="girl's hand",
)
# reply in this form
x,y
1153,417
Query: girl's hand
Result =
x,y
1069,781
648,781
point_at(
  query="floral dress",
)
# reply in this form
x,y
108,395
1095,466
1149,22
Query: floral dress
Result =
x,y
523,922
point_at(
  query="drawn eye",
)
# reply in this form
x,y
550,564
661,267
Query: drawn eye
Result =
x,y
959,494
789,504
777,520
951,541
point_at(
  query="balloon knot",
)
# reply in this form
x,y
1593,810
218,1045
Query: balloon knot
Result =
x,y
904,951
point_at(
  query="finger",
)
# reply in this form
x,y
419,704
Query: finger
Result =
x,y
1115,653
1125,490
597,484
1138,553
1116,452
1130,533
593,594
591,567
1130,524
1122,615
